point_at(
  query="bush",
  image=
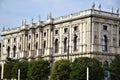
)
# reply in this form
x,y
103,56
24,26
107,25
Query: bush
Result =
x,y
8,70
61,70
115,68
23,66
79,69
39,70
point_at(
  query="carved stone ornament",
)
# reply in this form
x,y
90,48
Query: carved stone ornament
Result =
x,y
93,5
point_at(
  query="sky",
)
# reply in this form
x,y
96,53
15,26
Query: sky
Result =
x,y
12,12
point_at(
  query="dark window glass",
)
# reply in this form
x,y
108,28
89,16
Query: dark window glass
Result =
x,y
56,31
65,30
56,46
65,45
44,34
75,28
75,43
104,43
104,27
8,40
36,35
14,39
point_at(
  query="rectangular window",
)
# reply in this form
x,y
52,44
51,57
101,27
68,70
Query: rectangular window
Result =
x,y
65,30
56,31
119,42
104,27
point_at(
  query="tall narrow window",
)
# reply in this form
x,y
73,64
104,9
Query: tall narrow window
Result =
x,y
29,46
56,46
44,45
8,51
8,40
104,43
119,42
65,45
14,51
75,28
36,45
75,43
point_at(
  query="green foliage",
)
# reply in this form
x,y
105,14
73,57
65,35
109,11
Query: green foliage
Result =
x,y
79,69
61,70
23,66
115,68
39,70
8,69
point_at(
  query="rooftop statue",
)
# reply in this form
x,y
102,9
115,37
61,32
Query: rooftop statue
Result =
x,y
99,7
93,5
49,16
117,11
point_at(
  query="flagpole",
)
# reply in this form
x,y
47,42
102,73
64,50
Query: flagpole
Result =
x,y
87,73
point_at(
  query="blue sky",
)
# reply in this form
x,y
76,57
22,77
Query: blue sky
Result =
x,y
12,12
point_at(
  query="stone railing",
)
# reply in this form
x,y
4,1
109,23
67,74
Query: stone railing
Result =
x,y
72,16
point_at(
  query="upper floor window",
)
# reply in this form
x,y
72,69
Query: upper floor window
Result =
x,y
104,27
104,43
75,28
29,36
14,39
119,31
14,51
65,30
8,51
36,45
75,43
56,31
119,42
8,40
56,46
36,35
65,45
44,46
29,46
44,34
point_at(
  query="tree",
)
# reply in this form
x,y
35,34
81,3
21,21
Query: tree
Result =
x,y
61,70
8,69
39,70
23,66
115,68
79,69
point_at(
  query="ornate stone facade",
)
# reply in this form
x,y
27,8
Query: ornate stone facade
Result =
x,y
91,33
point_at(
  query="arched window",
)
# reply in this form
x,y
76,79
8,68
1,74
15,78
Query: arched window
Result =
x,y
75,43
44,45
29,46
8,51
56,46
104,43
106,63
65,45
36,45
14,51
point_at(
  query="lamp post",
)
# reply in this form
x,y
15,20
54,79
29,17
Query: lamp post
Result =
x,y
87,73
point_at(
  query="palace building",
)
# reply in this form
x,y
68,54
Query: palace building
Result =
x,y
89,33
